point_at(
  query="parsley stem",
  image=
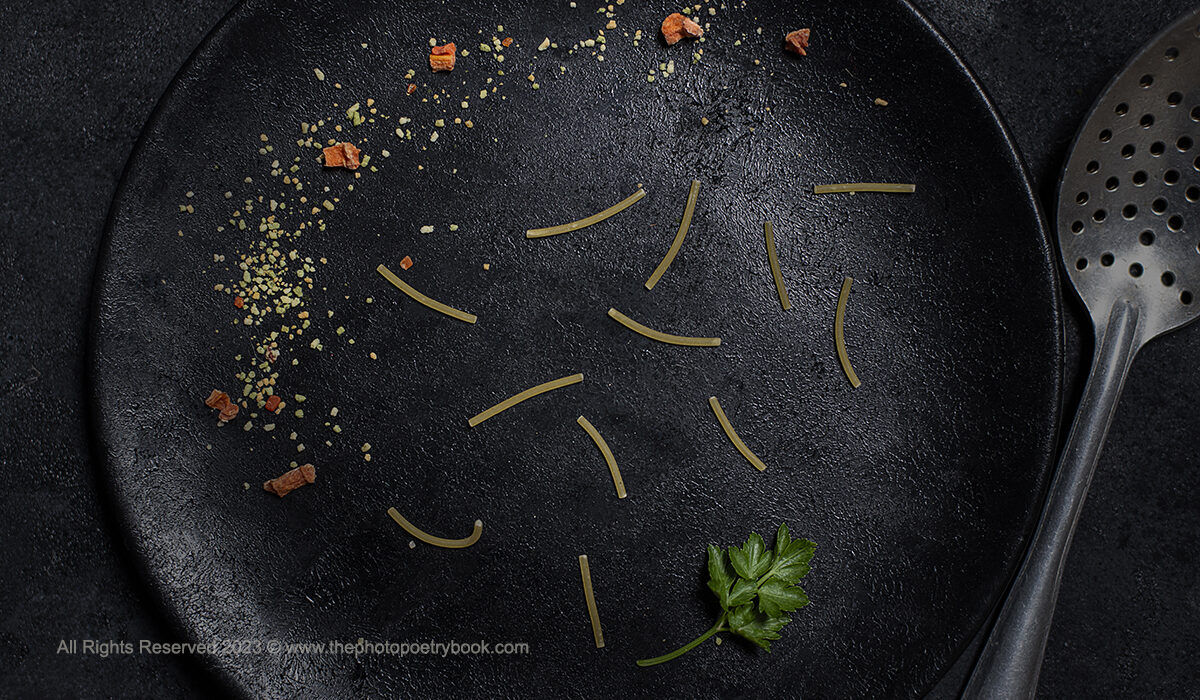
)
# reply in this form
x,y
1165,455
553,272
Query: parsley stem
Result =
x,y
686,647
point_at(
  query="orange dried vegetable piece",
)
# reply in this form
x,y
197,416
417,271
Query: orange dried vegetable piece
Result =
x,y
342,155
797,41
216,399
272,404
228,412
677,26
220,400
335,157
291,480
412,87
406,262
507,42
441,58
239,302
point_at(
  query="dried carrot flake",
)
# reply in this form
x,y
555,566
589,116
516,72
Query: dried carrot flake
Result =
x,y
507,42
441,58
239,302
228,412
216,399
676,27
342,155
290,481
412,87
797,41
406,262
272,404
335,157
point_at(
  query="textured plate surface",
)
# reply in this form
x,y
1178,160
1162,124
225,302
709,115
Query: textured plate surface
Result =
x,y
919,487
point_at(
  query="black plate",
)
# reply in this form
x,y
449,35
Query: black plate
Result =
x,y
919,487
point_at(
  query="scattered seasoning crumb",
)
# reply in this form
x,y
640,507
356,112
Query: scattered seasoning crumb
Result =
x,y
426,229
366,447
412,544
248,426
797,41
881,102
373,356
544,45
405,263
433,137
487,266
704,121
319,73
453,227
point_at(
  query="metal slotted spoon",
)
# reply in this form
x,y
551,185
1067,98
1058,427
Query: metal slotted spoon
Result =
x,y
1129,235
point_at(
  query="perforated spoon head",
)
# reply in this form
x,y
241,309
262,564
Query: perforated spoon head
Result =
x,y
1129,197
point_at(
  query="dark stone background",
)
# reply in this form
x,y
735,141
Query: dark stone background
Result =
x,y
78,78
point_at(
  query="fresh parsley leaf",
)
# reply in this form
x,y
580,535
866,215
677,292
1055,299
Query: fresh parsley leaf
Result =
x,y
791,557
720,578
756,587
756,627
776,597
753,559
743,592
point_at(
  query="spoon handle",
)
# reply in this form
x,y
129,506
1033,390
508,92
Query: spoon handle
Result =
x,y
1011,659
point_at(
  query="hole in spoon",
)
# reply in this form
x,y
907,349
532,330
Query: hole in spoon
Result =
x,y
1171,54
1146,80
1081,198
1105,136
1171,177
1159,205
1147,238
1147,121
1139,178
1184,143
1135,270
1081,263
1175,222
1128,150
1185,297
1099,216
1168,278
1107,260
1157,148
1112,184
1129,212
1093,167
1192,193
1121,109
1175,98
